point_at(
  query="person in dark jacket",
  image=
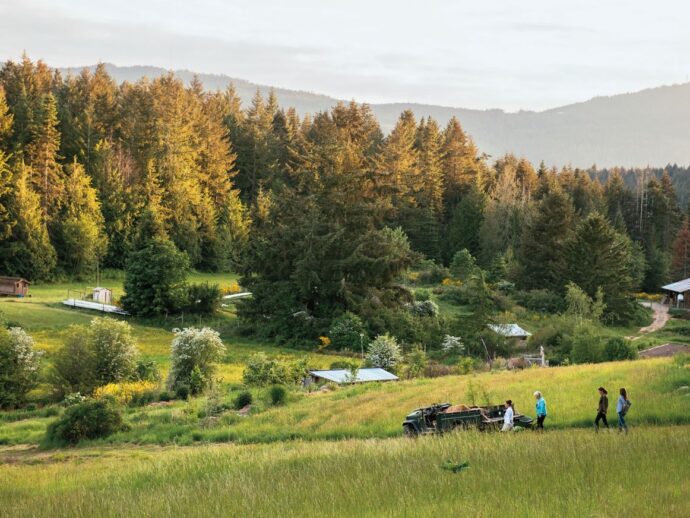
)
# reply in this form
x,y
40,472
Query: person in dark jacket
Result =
x,y
603,409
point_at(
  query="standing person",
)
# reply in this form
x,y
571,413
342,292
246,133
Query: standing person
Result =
x,y
508,417
603,408
622,408
541,410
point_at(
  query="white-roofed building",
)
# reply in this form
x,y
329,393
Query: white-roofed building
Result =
x,y
341,376
510,331
678,293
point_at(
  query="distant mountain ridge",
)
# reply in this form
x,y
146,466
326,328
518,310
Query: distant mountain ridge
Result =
x,y
649,127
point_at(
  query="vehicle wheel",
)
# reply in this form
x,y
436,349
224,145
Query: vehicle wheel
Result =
x,y
409,431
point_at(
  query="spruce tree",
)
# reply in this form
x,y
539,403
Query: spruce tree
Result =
x,y
80,241
599,257
27,251
43,159
542,254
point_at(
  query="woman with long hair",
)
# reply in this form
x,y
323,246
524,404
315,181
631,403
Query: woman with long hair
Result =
x,y
622,408
602,409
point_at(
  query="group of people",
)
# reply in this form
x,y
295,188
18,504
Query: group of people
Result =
x,y
622,407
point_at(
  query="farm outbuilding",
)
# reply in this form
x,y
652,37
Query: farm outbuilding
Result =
x,y
103,295
340,376
678,293
510,331
15,286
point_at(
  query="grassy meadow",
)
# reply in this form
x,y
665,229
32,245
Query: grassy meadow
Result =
x,y
341,451
559,473
377,410
45,318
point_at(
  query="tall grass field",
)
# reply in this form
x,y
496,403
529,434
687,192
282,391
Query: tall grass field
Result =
x,y
556,474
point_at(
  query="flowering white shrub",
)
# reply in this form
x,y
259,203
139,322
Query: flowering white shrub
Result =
x,y
452,344
19,365
384,352
193,353
115,350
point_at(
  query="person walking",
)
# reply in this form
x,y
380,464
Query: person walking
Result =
x,y
603,408
508,417
541,410
622,408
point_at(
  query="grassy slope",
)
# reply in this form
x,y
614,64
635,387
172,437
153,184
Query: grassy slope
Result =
x,y
562,473
377,410
45,317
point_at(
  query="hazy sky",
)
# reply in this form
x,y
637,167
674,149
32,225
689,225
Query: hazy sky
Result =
x,y
508,54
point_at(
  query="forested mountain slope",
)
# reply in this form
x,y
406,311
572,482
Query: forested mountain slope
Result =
x,y
650,127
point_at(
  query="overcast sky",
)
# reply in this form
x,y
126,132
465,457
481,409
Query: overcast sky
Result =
x,y
533,54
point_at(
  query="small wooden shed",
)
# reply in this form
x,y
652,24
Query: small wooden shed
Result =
x,y
102,295
14,286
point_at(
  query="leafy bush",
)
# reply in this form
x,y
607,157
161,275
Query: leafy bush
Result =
x,y
540,300
424,308
465,365
114,348
455,295
347,331
416,363
182,392
73,399
618,348
261,370
243,399
105,352
586,345
678,313
202,298
422,294
19,366
129,392
147,370
384,352
463,264
432,273
193,354
278,395
92,419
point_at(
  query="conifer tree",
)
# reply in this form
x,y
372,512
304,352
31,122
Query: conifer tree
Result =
x,y
681,252
542,254
80,241
27,251
430,166
599,257
43,159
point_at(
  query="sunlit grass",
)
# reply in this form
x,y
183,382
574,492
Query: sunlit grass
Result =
x,y
560,473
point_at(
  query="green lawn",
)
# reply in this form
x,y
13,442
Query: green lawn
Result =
x,y
560,473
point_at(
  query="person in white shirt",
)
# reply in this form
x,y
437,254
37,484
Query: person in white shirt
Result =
x,y
508,417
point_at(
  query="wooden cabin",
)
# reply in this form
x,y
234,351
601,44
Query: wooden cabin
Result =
x,y
14,286
678,294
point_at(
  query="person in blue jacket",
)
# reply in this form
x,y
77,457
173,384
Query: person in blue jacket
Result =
x,y
622,408
541,410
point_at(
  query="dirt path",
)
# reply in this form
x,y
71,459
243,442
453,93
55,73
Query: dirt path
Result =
x,y
660,318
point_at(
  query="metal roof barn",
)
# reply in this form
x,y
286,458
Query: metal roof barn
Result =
x,y
363,375
678,287
509,330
